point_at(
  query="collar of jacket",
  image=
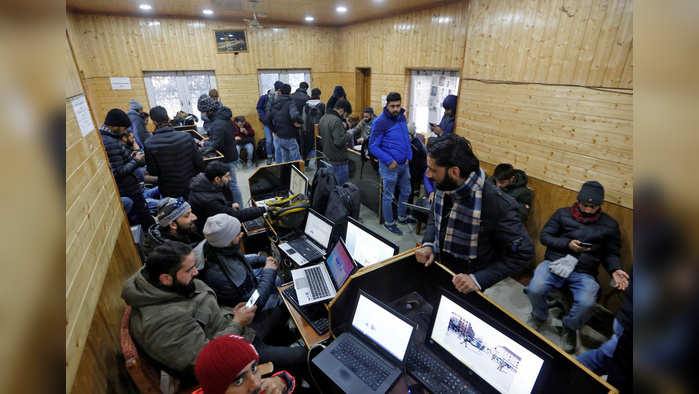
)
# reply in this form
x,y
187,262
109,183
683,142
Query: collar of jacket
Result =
x,y
333,112
105,131
388,113
164,129
465,191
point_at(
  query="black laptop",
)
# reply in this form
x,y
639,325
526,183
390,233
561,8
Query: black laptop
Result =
x,y
311,246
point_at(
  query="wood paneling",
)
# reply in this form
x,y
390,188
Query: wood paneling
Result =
x,y
552,41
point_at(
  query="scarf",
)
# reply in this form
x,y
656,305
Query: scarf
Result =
x,y
578,215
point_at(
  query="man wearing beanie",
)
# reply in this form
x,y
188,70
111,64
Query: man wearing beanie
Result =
x,y
446,125
232,276
138,123
578,239
313,110
286,119
175,315
267,120
172,156
228,365
124,166
175,222
222,138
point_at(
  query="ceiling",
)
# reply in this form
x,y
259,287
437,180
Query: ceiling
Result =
x,y
278,11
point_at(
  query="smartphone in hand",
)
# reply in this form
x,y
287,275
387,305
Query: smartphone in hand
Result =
x,y
585,244
253,299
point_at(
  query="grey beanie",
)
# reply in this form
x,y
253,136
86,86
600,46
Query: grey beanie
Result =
x,y
591,192
220,230
169,209
133,104
206,103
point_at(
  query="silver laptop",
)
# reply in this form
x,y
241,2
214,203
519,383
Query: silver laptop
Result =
x,y
313,244
298,184
321,282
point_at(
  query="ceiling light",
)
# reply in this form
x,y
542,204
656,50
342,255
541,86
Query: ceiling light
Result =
x,y
341,9
145,7
207,11
309,18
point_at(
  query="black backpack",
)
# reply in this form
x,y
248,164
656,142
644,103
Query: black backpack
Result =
x,y
323,183
261,150
343,202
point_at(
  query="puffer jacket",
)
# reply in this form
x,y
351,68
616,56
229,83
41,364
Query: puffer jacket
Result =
x,y
246,134
520,192
390,140
208,199
154,238
300,97
174,158
603,234
222,134
335,138
207,121
122,164
338,93
283,115
138,126
172,328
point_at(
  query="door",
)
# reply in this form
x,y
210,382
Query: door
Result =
x,y
428,88
362,89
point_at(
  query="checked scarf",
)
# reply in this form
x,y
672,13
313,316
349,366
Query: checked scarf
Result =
x,y
578,215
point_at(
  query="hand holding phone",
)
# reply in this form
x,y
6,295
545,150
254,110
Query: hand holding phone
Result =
x,y
253,298
585,244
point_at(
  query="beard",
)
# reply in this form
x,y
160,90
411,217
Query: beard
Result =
x,y
181,288
186,230
447,184
588,215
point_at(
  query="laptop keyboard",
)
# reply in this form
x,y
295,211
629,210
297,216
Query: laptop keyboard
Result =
x,y
315,280
302,246
315,315
362,361
433,375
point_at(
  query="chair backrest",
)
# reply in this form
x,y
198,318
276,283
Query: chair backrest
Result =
x,y
145,376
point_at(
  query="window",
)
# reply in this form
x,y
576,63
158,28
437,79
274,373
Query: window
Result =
x,y
178,91
267,78
428,88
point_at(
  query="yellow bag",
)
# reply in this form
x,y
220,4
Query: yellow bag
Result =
x,y
288,212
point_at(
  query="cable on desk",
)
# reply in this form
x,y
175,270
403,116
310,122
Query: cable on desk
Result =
x,y
308,364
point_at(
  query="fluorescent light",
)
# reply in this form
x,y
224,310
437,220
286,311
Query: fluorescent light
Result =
x,y
207,11
309,18
341,9
145,7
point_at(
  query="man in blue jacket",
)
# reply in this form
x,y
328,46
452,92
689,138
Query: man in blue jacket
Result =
x,y
390,143
262,114
446,125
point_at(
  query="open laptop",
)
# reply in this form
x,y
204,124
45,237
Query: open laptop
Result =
x,y
368,358
321,282
365,246
312,245
298,184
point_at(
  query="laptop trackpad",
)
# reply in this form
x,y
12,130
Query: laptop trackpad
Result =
x,y
301,283
344,374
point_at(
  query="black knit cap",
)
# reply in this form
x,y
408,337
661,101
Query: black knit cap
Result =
x,y
591,192
118,118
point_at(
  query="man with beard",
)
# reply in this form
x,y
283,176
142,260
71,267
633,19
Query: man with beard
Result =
x,y
174,315
578,239
474,228
176,222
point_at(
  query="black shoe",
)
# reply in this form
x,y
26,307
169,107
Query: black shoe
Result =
x,y
535,322
269,161
393,228
407,220
569,340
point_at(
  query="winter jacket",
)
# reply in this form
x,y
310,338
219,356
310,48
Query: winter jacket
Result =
x,y
603,234
138,126
504,247
122,164
261,104
418,164
221,134
246,134
173,156
300,97
154,238
389,139
172,328
313,110
335,138
447,124
271,98
429,184
338,93
283,115
520,192
363,128
207,121
208,199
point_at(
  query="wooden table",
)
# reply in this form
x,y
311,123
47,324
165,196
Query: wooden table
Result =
x,y
309,335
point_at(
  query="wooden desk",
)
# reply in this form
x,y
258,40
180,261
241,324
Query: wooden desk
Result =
x,y
309,335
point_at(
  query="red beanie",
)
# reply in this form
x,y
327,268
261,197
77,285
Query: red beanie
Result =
x,y
221,360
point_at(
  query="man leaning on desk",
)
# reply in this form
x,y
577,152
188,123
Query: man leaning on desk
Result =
x,y
474,228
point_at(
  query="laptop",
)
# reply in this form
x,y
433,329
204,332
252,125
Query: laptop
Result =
x,y
298,184
312,245
369,357
322,281
365,246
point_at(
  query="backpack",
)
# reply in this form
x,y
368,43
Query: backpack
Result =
x,y
323,183
288,212
343,201
261,150
367,156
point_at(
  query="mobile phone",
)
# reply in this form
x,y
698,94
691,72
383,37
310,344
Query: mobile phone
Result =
x,y
432,124
585,244
253,299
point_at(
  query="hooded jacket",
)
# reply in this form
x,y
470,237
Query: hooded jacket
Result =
x,y
283,115
122,164
300,97
174,158
222,134
246,134
335,138
389,139
172,328
447,122
520,192
207,121
261,105
338,93
138,126
154,238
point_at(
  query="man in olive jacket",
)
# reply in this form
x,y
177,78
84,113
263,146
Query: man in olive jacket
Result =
x,y
335,140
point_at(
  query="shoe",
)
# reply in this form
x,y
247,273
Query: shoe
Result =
x,y
393,228
269,161
251,164
569,340
407,220
535,322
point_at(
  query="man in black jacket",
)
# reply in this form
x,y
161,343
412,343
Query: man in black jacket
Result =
x,y
222,138
286,119
578,239
336,140
300,96
124,164
513,181
172,156
208,198
473,228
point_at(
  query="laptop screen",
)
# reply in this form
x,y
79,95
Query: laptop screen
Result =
x,y
298,182
318,229
498,359
365,248
383,327
340,265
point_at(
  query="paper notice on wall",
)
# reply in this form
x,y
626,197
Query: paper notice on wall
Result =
x,y
383,101
120,83
82,114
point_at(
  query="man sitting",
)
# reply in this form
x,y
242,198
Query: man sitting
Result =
x,y
514,182
208,196
577,240
176,222
244,138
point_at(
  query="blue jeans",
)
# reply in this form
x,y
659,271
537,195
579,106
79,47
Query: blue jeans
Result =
x,y
583,286
269,142
249,149
233,185
277,151
597,359
289,149
128,204
341,172
390,178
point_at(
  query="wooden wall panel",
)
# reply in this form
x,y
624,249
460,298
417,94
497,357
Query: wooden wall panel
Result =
x,y
73,85
552,41
103,98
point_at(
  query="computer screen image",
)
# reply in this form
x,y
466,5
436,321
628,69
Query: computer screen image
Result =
x,y
499,360
365,248
340,265
318,229
298,183
383,327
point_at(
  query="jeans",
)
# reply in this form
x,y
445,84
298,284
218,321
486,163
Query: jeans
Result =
x,y
269,142
128,204
583,286
139,213
249,149
341,172
289,150
277,151
390,178
597,359
233,185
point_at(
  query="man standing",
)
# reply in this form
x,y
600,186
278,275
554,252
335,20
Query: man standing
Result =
x,y
473,228
514,182
390,144
363,129
335,140
446,125
312,112
124,165
300,96
222,138
176,222
262,115
286,120
269,121
138,123
213,93
578,239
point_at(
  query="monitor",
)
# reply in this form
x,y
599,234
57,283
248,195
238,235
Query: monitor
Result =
x,y
318,229
298,184
339,264
486,349
382,326
365,246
